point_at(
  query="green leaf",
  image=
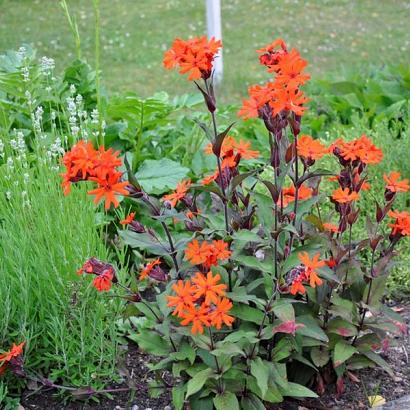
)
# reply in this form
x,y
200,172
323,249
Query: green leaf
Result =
x,y
151,342
311,328
284,311
251,402
374,357
297,390
260,370
178,394
247,313
342,352
186,351
159,176
226,401
319,356
255,263
197,382
342,327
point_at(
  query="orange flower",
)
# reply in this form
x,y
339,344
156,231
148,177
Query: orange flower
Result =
x,y
198,316
128,219
243,149
150,266
361,149
313,263
109,186
221,249
210,178
15,351
229,162
184,298
343,196
179,193
103,282
220,314
289,69
194,56
297,286
197,253
289,100
290,192
393,184
230,148
330,227
208,287
310,148
401,226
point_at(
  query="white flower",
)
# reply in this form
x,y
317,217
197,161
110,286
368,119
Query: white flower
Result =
x,y
47,65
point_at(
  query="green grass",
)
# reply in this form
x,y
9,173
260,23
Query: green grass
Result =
x,y
331,34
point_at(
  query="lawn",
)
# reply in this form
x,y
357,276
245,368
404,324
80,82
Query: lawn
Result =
x,y
333,35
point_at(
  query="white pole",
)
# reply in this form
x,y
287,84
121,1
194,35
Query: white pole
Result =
x,y
213,19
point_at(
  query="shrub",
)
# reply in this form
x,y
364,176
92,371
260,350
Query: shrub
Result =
x,y
265,290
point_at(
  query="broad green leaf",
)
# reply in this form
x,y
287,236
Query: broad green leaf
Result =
x,y
297,390
374,357
178,394
311,328
247,313
197,382
320,356
151,342
342,327
342,352
159,176
255,263
251,402
186,351
260,370
226,401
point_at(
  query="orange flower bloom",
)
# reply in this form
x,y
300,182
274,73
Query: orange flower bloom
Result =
x,y
289,100
393,184
313,263
289,69
128,219
103,282
197,253
330,227
198,316
221,249
343,196
208,287
359,149
150,266
109,186
15,351
194,56
290,192
243,149
184,298
401,226
297,286
229,162
314,279
230,148
179,193
220,314
310,148
210,178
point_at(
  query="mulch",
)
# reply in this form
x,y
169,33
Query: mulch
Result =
x,y
372,382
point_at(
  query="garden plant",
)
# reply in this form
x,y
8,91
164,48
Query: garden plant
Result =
x,y
254,286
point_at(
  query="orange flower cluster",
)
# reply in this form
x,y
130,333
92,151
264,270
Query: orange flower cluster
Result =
x,y
359,150
401,225
311,149
84,163
289,194
201,302
9,356
393,183
282,95
344,196
207,254
179,193
308,273
231,153
104,272
194,56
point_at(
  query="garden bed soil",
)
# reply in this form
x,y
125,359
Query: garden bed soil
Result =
x,y
372,382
